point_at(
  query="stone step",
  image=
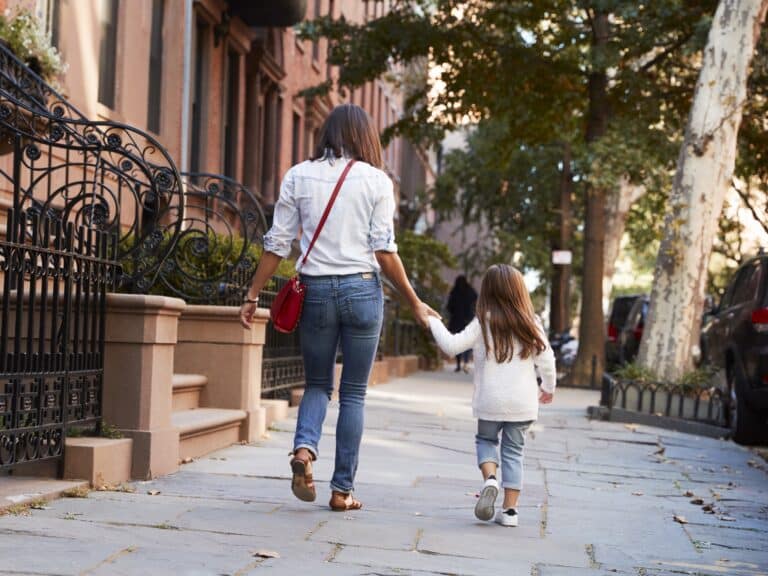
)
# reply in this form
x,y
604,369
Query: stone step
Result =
x,y
186,391
204,430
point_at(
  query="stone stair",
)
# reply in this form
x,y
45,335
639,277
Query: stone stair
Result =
x,y
202,429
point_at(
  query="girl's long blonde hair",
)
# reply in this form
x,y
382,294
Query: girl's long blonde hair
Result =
x,y
505,312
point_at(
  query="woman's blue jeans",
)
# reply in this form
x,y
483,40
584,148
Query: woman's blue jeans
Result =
x,y
346,310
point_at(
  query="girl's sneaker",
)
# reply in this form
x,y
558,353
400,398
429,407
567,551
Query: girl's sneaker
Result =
x,y
484,506
507,517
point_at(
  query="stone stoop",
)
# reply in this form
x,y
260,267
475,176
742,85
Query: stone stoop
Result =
x,y
100,461
204,430
275,410
186,391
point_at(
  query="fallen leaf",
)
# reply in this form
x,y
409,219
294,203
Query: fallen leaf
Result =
x,y
632,427
638,493
697,501
708,508
266,554
680,519
661,450
40,507
153,492
187,460
727,518
688,494
715,495
752,463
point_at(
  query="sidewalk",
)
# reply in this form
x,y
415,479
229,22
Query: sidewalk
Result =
x,y
600,498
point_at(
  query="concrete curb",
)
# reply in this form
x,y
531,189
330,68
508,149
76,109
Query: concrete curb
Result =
x,y
667,423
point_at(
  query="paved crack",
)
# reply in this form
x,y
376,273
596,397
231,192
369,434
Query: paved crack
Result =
x,y
544,505
417,540
590,549
110,559
314,530
337,547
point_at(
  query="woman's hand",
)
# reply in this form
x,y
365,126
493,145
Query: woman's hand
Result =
x,y
422,312
247,310
545,397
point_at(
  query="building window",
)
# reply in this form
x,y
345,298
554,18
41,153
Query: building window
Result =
x,y
199,95
48,12
155,67
316,43
108,52
296,150
328,46
231,109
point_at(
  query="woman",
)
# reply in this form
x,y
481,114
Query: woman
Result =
x,y
344,301
461,310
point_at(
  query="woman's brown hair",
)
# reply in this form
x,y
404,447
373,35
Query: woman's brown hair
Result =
x,y
349,131
505,312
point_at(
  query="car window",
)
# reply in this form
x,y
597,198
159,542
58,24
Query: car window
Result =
x,y
727,299
621,309
747,284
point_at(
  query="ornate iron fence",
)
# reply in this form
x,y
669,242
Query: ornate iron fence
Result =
x,y
220,244
702,404
96,205
282,364
55,280
104,176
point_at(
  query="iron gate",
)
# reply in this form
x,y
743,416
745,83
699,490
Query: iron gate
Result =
x,y
55,280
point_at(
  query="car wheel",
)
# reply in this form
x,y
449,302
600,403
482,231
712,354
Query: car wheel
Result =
x,y
744,424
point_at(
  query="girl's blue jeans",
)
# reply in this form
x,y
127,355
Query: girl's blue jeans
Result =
x,y
512,444
345,310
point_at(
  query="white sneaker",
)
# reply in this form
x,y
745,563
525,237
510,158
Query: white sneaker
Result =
x,y
484,506
507,517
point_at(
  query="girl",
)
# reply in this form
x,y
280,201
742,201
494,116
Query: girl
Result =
x,y
510,348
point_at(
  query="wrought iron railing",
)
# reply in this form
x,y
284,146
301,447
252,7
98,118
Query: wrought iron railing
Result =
x,y
220,243
698,403
282,364
102,176
55,280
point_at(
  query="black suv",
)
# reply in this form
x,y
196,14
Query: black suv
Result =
x,y
734,338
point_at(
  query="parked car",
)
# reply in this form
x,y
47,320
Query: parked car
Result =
x,y
631,333
620,309
734,339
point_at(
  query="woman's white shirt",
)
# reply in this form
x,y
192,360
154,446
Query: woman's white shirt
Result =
x,y
508,391
360,223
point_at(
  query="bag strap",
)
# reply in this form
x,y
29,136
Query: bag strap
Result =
x,y
331,201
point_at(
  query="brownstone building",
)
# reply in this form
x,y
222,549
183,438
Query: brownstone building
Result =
x,y
217,85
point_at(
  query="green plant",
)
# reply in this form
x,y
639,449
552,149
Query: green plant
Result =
x,y
23,34
635,373
198,258
110,431
699,378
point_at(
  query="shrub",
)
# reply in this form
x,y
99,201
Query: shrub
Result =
x,y
23,34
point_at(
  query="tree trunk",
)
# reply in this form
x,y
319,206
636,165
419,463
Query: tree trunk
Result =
x,y
560,301
704,170
588,368
616,213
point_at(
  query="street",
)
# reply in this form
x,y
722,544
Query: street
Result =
x,y
599,498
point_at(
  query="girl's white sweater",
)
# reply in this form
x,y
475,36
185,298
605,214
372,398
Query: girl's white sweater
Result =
x,y
505,392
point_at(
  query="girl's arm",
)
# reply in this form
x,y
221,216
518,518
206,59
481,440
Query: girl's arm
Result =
x,y
545,364
453,344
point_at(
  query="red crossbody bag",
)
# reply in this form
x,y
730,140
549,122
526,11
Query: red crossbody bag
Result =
x,y
286,309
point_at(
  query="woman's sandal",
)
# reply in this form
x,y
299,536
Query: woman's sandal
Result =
x,y
341,502
302,485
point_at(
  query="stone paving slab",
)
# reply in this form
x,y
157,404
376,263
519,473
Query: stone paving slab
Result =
x,y
599,499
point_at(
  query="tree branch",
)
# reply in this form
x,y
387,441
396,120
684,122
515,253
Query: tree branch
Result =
x,y
748,203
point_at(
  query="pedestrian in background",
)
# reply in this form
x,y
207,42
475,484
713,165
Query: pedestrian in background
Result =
x,y
461,311
510,347
344,301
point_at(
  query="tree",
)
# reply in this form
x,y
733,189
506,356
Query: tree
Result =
x,y
551,70
704,171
